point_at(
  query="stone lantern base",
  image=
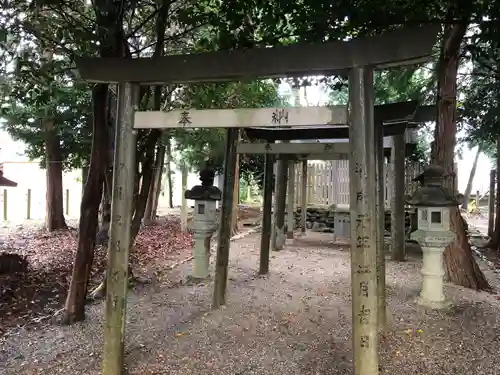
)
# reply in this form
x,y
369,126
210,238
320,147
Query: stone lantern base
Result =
x,y
201,255
437,305
433,245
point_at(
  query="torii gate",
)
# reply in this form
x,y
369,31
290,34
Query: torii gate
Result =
x,y
308,123
357,58
397,121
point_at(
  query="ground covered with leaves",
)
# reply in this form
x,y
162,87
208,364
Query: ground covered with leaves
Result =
x,y
294,321
31,297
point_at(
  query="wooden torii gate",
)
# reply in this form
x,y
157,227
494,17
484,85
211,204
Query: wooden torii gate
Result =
x,y
357,58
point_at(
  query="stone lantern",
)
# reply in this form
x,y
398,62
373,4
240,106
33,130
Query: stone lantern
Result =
x,y
433,204
204,221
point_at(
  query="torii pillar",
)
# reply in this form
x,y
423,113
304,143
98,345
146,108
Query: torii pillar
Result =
x,y
267,204
290,217
363,204
278,234
398,198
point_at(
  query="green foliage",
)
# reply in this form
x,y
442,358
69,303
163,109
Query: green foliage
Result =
x,y
391,86
38,80
196,146
34,90
249,190
40,89
479,111
68,29
398,85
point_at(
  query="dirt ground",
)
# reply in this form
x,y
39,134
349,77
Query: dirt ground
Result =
x,y
296,320
27,299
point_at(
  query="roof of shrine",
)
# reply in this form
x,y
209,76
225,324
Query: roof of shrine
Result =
x,y
6,182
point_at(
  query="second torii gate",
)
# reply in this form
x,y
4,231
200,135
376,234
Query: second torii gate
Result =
x,y
396,120
302,123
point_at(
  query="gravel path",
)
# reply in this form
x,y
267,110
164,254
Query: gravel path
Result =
x,y
294,321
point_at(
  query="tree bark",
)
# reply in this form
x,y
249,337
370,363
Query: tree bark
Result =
x,y
492,202
155,187
184,208
236,197
140,204
112,43
102,236
155,181
495,237
54,172
74,308
472,174
158,190
147,177
460,265
159,182
85,173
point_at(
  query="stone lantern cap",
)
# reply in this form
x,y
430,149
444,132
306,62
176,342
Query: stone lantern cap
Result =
x,y
432,193
206,191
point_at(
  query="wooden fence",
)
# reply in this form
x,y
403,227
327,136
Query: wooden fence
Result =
x,y
17,204
328,182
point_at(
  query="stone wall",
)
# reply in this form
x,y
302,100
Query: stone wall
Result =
x,y
322,219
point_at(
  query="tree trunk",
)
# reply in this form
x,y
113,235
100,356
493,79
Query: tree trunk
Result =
x,y
54,172
460,265
158,180
155,180
168,172
492,202
472,174
184,208
495,237
236,197
140,203
147,178
102,236
74,308
155,186
85,173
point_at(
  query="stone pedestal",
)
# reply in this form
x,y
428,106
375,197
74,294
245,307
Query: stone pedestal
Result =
x,y
203,226
433,245
280,238
342,222
201,254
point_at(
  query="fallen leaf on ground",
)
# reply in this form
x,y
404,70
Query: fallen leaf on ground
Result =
x,y
40,292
